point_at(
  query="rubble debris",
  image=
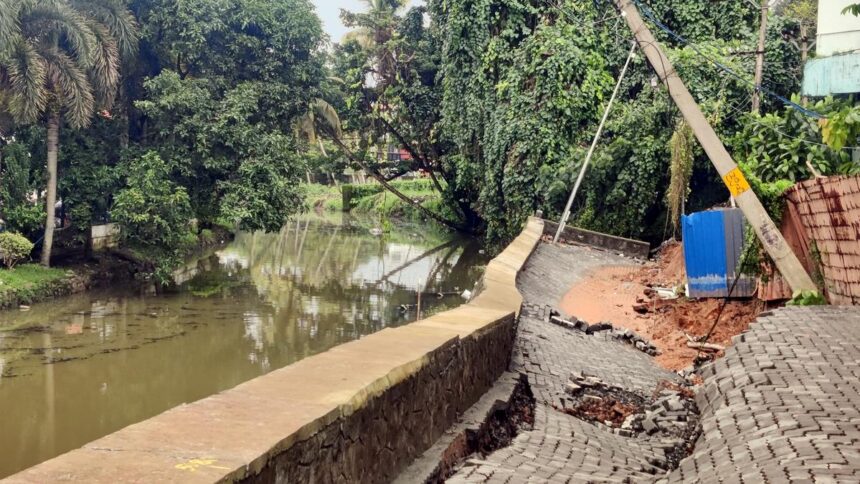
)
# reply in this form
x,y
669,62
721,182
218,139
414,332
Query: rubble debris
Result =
x,y
598,327
632,338
670,414
589,398
624,335
641,308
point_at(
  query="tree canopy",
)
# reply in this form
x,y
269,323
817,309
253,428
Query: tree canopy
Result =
x,y
237,103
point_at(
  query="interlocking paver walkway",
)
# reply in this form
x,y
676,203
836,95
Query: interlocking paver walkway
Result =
x,y
560,447
781,406
784,403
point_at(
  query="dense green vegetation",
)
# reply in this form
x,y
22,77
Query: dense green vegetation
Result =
x,y
14,247
373,199
174,117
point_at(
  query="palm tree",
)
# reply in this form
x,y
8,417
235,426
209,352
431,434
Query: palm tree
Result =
x,y
60,60
374,30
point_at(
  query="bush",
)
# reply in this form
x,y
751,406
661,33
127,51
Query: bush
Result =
x,y
14,247
26,219
155,213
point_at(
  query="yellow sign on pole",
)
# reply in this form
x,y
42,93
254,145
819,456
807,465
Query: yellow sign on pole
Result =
x,y
736,182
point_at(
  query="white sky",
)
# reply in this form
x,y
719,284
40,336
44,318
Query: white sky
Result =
x,y
329,12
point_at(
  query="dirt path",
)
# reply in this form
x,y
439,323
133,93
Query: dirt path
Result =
x,y
610,294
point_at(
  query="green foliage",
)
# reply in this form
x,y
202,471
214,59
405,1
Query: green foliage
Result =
x,y
524,87
16,173
273,41
154,213
853,9
14,248
354,193
807,298
841,127
681,169
27,219
63,57
770,193
238,157
88,161
782,145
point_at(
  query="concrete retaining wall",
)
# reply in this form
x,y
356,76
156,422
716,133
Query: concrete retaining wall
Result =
x,y
104,236
359,412
629,247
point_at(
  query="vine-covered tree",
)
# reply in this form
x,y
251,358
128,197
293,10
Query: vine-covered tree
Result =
x,y
524,84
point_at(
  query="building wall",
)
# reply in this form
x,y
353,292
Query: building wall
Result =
x,y
837,33
829,211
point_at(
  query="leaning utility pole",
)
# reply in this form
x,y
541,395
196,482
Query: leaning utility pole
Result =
x,y
759,57
769,235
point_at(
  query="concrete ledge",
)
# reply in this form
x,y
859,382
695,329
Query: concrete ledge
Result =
x,y
629,247
360,412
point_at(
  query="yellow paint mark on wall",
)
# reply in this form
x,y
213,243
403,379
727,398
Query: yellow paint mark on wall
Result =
x,y
736,182
194,464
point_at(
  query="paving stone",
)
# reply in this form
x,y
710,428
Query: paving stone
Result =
x,y
783,405
779,395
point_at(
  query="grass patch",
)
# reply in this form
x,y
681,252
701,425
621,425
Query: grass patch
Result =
x,y
29,283
28,275
376,200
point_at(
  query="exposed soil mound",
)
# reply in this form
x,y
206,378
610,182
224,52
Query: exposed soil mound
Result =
x,y
624,297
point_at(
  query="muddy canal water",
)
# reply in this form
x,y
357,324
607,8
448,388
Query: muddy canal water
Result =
x,y
75,369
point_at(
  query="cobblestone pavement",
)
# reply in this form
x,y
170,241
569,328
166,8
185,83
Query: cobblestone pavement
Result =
x,y
783,403
781,406
560,447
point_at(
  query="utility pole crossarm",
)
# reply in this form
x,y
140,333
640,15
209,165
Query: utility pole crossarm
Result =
x,y
769,235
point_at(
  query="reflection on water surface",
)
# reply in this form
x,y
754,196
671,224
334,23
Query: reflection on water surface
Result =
x,y
78,368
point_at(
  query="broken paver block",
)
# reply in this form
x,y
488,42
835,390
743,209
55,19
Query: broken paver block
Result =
x,y
572,388
649,425
596,328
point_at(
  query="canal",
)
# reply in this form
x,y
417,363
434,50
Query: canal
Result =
x,y
78,368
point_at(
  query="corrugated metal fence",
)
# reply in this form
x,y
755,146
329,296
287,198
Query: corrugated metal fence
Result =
x,y
713,242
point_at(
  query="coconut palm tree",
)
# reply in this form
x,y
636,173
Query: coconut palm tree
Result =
x,y
374,30
60,60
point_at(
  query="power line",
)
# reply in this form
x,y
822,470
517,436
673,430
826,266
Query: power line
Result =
x,y
651,16
726,69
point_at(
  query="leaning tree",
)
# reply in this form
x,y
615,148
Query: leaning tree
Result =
x,y
60,60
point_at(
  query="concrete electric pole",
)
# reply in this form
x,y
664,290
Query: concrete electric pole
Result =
x,y
769,235
759,57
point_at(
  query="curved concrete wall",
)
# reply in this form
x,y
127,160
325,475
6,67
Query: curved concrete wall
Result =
x,y
359,412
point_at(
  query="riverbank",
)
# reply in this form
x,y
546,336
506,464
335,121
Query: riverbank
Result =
x,y
31,283
261,303
371,198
